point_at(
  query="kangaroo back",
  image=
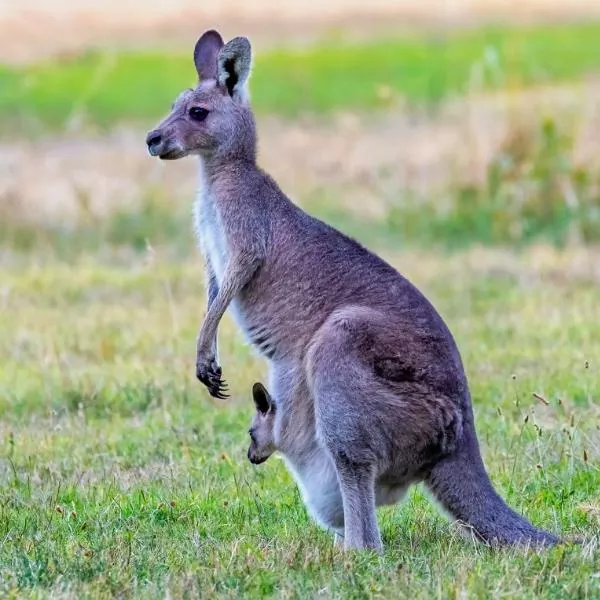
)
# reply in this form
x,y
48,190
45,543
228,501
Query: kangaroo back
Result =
x,y
461,484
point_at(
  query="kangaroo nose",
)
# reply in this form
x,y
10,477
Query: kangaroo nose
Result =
x,y
153,140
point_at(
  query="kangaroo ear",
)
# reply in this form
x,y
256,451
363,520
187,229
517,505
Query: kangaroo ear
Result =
x,y
233,70
262,399
206,52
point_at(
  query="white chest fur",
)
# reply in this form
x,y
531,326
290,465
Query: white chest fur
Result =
x,y
209,227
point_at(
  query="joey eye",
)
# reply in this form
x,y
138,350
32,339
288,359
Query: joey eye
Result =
x,y
197,113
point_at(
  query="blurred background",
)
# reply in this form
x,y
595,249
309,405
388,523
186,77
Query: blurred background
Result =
x,y
458,138
449,122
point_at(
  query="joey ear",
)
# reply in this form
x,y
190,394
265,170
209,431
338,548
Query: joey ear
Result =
x,y
262,398
233,67
206,52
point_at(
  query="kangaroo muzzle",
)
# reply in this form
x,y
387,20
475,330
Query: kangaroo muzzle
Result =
x,y
154,141
254,459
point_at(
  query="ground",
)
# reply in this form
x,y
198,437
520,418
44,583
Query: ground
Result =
x,y
121,476
478,179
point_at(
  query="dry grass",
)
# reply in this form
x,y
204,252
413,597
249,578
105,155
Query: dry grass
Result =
x,y
366,163
34,30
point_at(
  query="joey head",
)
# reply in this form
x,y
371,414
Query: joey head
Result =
x,y
262,440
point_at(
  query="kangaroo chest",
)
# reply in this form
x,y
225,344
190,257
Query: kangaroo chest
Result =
x,y
209,229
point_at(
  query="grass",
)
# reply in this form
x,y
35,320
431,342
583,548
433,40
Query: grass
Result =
x,y
533,190
119,477
100,88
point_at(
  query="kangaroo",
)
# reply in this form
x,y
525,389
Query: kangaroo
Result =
x,y
361,365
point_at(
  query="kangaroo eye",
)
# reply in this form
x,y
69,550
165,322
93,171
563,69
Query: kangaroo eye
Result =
x,y
198,114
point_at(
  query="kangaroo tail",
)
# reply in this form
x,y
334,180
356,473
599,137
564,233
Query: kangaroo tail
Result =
x,y
461,484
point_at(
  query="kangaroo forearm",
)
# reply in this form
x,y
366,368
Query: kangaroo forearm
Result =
x,y
238,274
212,286
212,289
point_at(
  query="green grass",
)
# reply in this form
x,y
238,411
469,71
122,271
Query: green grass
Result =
x,y
104,87
120,478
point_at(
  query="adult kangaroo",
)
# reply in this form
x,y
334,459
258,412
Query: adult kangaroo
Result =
x,y
362,368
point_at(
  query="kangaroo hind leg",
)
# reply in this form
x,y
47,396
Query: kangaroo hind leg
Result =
x,y
374,428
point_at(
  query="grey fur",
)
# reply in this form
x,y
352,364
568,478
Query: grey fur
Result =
x,y
233,67
369,385
205,54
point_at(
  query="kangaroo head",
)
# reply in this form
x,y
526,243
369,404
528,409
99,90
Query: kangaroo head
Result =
x,y
262,443
214,118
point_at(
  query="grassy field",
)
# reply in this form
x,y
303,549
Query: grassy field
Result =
x,y
102,88
120,477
